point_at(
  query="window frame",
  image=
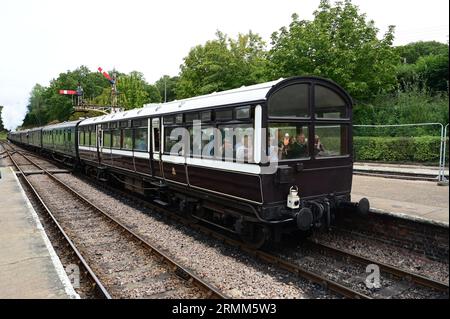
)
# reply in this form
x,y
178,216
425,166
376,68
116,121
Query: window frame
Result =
x,y
122,143
304,123
348,139
310,96
213,122
135,129
346,106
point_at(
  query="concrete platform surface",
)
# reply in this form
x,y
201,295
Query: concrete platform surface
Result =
x,y
431,171
29,267
417,198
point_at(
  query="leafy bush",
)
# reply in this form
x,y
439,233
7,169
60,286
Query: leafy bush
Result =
x,y
423,149
413,105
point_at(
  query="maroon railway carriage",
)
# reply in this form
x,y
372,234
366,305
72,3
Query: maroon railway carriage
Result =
x,y
242,154
259,161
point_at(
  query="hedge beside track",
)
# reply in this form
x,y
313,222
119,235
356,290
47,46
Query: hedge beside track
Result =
x,y
421,149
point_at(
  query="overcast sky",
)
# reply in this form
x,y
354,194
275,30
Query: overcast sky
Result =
x,y
40,39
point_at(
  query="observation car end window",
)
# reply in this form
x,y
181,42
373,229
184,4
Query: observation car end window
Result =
x,y
288,141
331,141
328,104
290,101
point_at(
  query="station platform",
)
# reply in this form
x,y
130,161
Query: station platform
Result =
x,y
418,172
414,198
29,267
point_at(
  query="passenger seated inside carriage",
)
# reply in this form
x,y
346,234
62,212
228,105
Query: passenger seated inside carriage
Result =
x,y
298,147
319,150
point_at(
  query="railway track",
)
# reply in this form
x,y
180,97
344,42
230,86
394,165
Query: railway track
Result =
x,y
266,257
293,266
386,268
120,262
397,274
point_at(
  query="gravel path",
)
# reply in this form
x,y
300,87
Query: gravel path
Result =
x,y
233,272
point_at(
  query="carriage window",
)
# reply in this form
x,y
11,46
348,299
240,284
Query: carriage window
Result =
x,y
107,139
139,123
93,138
329,104
172,137
156,135
206,116
208,142
243,113
288,141
127,139
331,140
224,115
81,138
291,101
236,143
191,117
116,138
124,124
179,119
168,120
140,139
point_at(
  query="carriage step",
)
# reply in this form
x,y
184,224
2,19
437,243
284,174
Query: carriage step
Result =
x,y
160,202
159,184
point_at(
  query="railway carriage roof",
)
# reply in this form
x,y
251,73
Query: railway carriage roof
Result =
x,y
61,125
246,94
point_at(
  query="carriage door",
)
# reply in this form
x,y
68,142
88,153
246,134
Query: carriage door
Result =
x,y
156,147
99,142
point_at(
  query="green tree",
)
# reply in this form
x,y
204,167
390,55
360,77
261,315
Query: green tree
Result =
x,y
433,70
133,91
166,86
412,52
37,108
339,44
429,70
2,128
222,64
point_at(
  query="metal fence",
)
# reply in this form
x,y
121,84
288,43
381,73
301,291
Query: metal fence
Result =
x,y
443,138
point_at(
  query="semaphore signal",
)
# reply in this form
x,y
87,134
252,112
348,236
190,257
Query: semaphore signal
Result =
x,y
112,80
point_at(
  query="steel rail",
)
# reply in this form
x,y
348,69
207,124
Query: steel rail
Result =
x,y
392,270
98,284
176,267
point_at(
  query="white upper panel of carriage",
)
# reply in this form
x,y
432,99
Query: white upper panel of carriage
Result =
x,y
241,95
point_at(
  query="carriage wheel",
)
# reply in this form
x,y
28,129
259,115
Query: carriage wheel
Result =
x,y
255,235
